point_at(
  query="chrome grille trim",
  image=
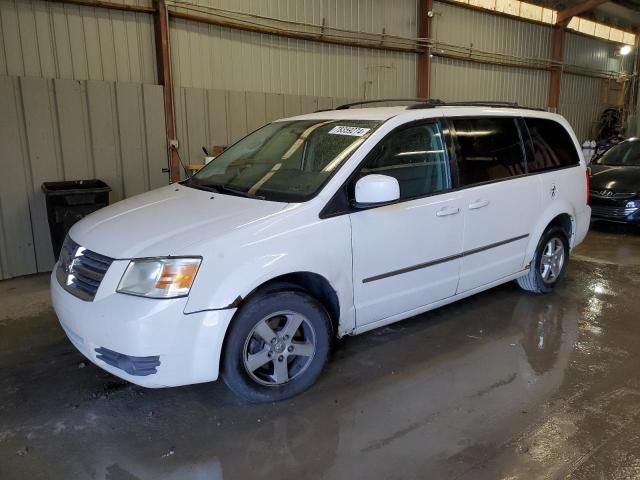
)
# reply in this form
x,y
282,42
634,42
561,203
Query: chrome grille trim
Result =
x,y
80,271
611,194
619,213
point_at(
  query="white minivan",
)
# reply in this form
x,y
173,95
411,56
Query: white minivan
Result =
x,y
315,227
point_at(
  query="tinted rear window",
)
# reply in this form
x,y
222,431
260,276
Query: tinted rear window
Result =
x,y
550,146
489,149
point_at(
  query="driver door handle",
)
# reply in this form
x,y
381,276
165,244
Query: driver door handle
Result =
x,y
478,204
445,211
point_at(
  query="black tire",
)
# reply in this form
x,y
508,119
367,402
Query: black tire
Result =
x,y
276,308
534,281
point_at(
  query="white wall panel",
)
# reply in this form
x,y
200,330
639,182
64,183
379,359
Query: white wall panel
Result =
x,y
213,57
55,40
395,16
591,53
70,130
484,31
456,80
581,103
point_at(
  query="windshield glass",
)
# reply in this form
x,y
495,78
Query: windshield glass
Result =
x,y
625,154
284,161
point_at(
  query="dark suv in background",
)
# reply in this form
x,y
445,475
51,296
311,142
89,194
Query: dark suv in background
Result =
x,y
615,184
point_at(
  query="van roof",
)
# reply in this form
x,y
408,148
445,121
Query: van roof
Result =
x,y
385,113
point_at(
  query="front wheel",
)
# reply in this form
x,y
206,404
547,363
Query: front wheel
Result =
x,y
277,346
549,262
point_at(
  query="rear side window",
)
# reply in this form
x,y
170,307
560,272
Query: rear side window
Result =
x,y
550,146
489,149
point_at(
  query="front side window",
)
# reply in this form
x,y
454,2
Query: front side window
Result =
x,y
489,149
284,161
625,154
415,156
550,146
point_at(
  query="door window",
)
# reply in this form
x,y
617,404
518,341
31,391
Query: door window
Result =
x,y
415,156
550,145
489,149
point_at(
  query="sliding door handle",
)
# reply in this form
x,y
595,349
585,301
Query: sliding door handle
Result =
x,y
478,204
446,211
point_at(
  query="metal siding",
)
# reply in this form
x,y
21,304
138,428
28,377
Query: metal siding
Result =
x,y
460,80
591,53
54,40
213,57
484,31
581,104
218,117
69,130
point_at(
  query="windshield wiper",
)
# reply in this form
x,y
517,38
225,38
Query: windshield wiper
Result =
x,y
240,193
198,186
221,188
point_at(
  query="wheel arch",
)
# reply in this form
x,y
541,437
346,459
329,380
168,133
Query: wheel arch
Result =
x,y
561,216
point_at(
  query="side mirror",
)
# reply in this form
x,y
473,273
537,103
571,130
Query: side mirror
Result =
x,y
374,190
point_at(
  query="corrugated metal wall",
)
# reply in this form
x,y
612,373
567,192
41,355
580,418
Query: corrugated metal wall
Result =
x,y
396,16
591,53
215,57
484,31
207,117
460,80
64,117
581,103
54,40
582,99
68,130
463,80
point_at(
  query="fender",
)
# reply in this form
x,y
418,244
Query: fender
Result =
x,y
322,247
555,208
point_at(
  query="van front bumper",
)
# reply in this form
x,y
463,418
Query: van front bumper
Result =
x,y
149,342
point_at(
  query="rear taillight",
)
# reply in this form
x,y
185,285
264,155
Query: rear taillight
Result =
x,y
588,183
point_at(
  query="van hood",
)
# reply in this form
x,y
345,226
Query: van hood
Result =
x,y
167,221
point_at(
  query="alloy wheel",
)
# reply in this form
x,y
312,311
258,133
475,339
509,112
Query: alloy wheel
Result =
x,y
279,348
552,260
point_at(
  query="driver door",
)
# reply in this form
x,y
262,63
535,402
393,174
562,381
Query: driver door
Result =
x,y
407,255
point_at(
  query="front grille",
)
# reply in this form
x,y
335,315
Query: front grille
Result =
x,y
80,271
613,212
611,194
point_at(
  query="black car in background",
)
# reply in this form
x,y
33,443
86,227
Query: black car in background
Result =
x,y
615,184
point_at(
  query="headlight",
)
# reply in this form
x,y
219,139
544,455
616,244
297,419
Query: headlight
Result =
x,y
159,277
633,204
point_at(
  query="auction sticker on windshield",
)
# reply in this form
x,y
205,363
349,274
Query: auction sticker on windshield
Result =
x,y
352,131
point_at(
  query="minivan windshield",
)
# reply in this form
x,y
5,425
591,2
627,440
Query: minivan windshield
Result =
x,y
625,154
286,161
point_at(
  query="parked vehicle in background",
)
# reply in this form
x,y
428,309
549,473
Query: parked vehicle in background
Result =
x,y
315,227
615,184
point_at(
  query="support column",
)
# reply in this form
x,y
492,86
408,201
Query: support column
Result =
x,y
557,56
161,22
423,67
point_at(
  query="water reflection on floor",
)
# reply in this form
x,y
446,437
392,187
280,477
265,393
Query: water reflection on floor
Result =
x,y
501,385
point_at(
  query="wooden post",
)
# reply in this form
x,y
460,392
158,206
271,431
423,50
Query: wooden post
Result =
x,y
423,67
163,58
557,56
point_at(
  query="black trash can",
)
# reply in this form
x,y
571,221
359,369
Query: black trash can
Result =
x,y
68,202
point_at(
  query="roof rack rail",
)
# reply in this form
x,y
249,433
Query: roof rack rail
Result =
x,y
471,103
346,106
419,103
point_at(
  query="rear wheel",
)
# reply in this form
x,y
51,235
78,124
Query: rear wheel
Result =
x,y
277,346
549,262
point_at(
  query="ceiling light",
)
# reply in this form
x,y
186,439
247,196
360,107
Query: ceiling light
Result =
x,y
625,50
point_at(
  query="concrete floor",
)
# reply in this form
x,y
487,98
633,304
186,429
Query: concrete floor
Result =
x,y
504,385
